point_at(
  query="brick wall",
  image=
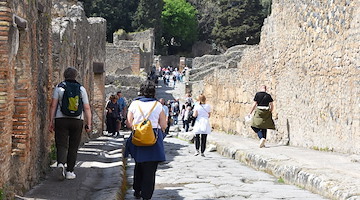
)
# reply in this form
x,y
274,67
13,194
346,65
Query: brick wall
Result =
x,y
25,48
5,94
29,69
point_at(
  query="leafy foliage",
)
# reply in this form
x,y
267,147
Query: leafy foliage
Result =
x,y
118,13
239,22
267,6
180,25
148,15
207,12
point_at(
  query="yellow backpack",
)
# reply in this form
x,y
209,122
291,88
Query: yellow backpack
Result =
x,y
143,133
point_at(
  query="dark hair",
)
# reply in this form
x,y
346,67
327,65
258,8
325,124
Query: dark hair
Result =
x,y
147,89
118,92
70,73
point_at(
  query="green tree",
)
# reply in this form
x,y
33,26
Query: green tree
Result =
x,y
180,25
148,15
118,13
239,22
207,12
267,6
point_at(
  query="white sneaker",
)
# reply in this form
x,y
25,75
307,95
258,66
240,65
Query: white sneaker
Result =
x,y
196,153
61,171
262,142
70,175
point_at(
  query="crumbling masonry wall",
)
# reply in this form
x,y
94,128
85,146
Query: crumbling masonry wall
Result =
x,y
32,61
25,54
309,59
80,42
130,53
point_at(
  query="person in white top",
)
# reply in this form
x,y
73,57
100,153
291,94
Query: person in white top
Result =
x,y
67,128
146,158
202,124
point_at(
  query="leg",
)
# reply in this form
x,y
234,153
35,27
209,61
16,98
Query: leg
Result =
x,y
137,179
258,131
264,133
148,181
203,142
197,142
61,140
74,142
186,125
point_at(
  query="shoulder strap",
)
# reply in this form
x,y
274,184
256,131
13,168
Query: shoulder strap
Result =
x,y
262,99
204,109
148,115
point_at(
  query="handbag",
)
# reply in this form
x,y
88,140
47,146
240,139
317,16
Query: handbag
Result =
x,y
143,133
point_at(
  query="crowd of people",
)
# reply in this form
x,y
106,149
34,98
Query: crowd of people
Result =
x,y
68,122
171,74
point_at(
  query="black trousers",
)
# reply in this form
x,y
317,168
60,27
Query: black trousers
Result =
x,y
144,178
111,124
202,143
67,140
186,125
260,132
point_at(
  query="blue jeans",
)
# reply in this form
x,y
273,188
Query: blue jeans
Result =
x,y
260,132
175,117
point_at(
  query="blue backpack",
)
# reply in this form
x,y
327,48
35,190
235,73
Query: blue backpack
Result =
x,y
72,104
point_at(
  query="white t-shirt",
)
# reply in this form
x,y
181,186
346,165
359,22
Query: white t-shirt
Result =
x,y
203,110
146,107
58,94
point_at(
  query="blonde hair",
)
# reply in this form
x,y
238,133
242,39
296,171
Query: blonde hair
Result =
x,y
113,97
202,99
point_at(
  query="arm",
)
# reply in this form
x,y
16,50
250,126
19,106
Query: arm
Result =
x,y
87,111
163,121
53,107
253,107
130,119
271,106
195,113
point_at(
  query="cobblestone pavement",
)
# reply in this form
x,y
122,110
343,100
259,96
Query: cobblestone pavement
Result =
x,y
185,176
98,174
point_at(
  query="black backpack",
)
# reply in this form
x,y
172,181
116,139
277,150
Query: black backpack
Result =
x,y
72,104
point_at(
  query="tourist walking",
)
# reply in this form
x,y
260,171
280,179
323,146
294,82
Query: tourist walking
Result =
x,y
67,115
202,124
182,114
187,118
175,112
112,115
123,110
146,157
262,119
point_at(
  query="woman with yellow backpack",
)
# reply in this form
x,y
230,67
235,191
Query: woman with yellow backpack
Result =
x,y
145,144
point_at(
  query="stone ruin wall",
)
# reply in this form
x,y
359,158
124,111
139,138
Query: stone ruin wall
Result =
x,y
128,60
25,54
80,42
130,54
28,72
309,59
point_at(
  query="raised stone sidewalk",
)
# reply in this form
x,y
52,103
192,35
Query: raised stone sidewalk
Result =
x,y
329,174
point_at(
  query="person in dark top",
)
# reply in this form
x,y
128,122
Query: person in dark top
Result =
x,y
112,115
262,120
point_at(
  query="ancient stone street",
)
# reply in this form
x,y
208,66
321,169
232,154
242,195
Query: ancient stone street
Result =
x,y
185,176
188,177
